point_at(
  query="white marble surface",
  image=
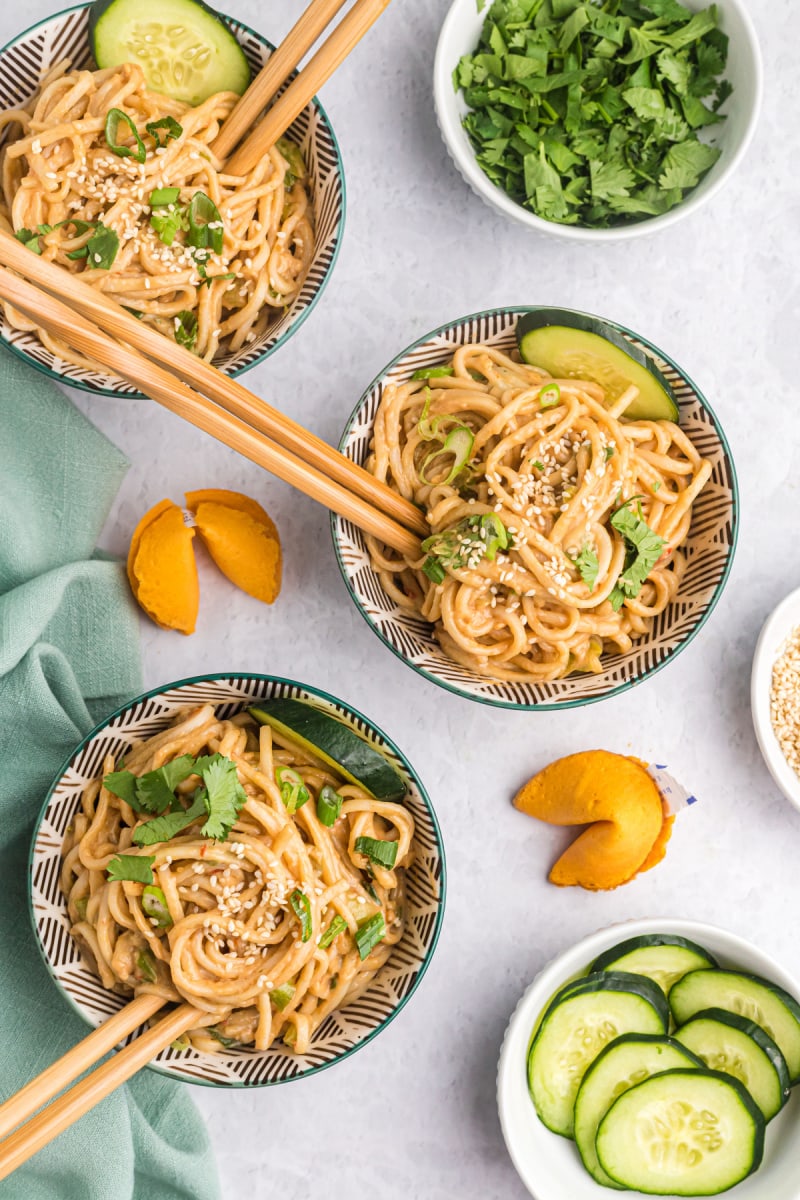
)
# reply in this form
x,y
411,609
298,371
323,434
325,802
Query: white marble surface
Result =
x,y
413,1114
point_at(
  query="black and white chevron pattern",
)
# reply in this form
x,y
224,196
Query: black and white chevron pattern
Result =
x,y
22,64
343,1031
709,549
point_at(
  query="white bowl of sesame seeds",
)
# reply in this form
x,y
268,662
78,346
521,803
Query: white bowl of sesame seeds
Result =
x,y
775,695
344,1030
709,547
23,63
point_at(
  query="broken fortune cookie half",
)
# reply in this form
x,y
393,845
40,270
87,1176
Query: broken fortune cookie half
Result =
x,y
628,822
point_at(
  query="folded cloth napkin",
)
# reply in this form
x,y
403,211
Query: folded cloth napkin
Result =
x,y
68,657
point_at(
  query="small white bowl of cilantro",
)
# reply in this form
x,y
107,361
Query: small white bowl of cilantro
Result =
x,y
597,119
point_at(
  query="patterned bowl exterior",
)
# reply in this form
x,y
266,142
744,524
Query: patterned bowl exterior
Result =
x,y
28,56
342,1032
709,550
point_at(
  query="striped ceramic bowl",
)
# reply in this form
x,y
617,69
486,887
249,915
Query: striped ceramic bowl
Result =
x,y
709,550
23,62
343,1031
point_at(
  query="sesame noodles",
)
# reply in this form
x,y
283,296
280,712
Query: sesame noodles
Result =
x,y
262,932
530,572
59,175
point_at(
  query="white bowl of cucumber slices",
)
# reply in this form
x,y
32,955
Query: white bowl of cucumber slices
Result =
x,y
663,1052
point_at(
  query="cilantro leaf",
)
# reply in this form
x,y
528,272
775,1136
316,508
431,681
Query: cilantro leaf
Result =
x,y
155,790
645,547
101,248
161,829
226,797
122,784
685,163
588,566
138,868
29,239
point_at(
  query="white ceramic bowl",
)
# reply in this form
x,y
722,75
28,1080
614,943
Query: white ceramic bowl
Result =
x,y
459,36
549,1165
776,630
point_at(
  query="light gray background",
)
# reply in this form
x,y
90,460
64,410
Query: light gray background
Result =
x,y
413,1114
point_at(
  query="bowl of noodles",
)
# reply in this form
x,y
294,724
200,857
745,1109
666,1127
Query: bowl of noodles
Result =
x,y
573,551
275,233
203,845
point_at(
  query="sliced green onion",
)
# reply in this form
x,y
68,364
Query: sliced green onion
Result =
x,y
338,925
549,395
294,157
609,452
495,535
538,465
432,373
147,966
166,224
115,116
301,906
459,443
434,570
209,279
223,1039
80,907
370,890
181,1043
294,793
186,329
162,196
205,223
368,934
280,996
168,125
378,851
135,312
329,805
290,1035
154,903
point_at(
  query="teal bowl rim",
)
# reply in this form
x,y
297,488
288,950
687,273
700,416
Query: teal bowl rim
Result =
x,y
311,691
618,690
80,384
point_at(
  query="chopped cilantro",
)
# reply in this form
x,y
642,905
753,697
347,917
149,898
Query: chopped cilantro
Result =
x,y
186,329
587,111
644,548
138,868
226,796
219,800
588,566
161,829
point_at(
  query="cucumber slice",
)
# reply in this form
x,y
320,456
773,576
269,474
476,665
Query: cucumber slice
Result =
x,y
572,345
662,957
182,46
335,743
730,1043
582,1019
749,996
682,1133
628,1061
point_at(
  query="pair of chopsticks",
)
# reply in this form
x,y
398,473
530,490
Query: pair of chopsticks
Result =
x,y
347,34
101,329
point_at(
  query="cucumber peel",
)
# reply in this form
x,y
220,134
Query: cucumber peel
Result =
x,y
573,345
334,743
183,47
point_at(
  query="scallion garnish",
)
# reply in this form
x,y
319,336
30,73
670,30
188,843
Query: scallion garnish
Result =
x,y
113,120
162,196
223,1039
294,793
338,925
459,443
186,329
301,906
432,373
368,934
146,965
166,125
378,851
434,570
154,903
205,224
81,906
549,395
280,996
329,805
168,221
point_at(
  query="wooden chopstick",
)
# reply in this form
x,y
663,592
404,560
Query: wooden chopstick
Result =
x,y
170,391
63,1112
347,34
56,1077
230,395
279,66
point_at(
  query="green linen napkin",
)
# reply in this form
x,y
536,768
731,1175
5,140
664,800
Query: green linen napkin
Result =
x,y
68,657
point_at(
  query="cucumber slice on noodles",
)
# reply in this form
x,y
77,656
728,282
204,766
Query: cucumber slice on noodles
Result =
x,y
665,958
730,1043
582,1019
574,345
749,996
682,1133
334,743
182,46
626,1062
